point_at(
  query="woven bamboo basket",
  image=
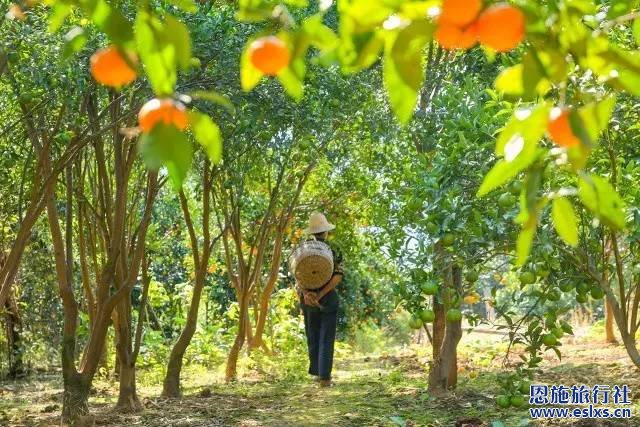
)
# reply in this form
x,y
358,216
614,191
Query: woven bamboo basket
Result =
x,y
311,264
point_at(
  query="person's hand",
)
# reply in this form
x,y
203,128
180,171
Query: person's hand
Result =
x,y
310,298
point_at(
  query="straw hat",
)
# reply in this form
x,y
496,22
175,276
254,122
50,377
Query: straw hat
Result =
x,y
318,224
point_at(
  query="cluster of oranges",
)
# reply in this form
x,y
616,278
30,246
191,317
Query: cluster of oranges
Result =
x,y
463,23
269,54
110,68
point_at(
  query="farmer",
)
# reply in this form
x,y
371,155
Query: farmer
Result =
x,y
320,309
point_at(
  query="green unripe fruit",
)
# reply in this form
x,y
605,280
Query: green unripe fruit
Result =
x,y
516,401
597,293
454,315
527,277
427,316
541,270
553,295
583,288
429,288
515,188
432,227
524,387
448,239
582,298
503,401
558,332
415,323
549,340
566,287
506,200
550,318
471,276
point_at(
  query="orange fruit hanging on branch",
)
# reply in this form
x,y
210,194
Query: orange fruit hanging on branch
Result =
x,y
459,12
450,36
559,128
269,55
166,111
110,68
501,27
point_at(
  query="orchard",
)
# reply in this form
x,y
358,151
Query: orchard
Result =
x,y
161,162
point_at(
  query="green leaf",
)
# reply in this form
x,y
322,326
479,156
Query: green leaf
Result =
x,y
158,59
564,220
292,77
526,80
524,243
594,119
636,30
619,8
403,67
75,40
186,5
109,20
250,76
207,134
518,144
529,124
319,34
215,97
166,146
177,36
291,83
509,81
599,196
59,13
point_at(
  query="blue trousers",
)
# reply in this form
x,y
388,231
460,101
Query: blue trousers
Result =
x,y
320,327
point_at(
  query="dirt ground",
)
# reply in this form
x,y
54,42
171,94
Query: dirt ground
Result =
x,y
375,390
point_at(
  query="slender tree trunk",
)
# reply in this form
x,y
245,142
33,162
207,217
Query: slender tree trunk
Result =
x,y
608,323
438,328
443,374
171,385
10,267
13,326
234,353
128,398
265,296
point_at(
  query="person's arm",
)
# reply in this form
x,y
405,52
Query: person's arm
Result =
x,y
335,280
308,297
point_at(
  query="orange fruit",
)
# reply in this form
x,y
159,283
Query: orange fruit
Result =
x,y
167,111
501,27
460,12
109,68
269,55
451,37
559,128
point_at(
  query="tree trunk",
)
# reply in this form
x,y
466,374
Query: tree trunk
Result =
x,y
171,385
443,375
608,323
234,353
75,399
265,296
128,397
13,327
438,328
